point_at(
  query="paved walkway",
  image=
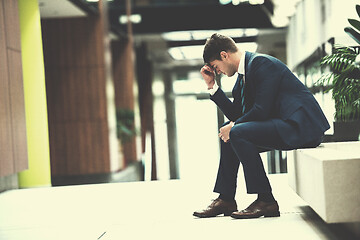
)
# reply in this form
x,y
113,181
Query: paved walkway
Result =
x,y
148,210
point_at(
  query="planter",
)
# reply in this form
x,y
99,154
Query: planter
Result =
x,y
346,131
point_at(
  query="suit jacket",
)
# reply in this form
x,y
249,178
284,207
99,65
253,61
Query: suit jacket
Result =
x,y
273,92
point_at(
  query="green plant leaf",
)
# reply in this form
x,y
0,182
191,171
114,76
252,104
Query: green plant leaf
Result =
x,y
354,23
344,81
353,34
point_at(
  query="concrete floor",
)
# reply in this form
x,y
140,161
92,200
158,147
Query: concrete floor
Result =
x,y
149,210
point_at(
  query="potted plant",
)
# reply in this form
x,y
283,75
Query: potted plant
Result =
x,y
125,125
344,81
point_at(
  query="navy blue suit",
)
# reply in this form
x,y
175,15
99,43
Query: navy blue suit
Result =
x,y
280,113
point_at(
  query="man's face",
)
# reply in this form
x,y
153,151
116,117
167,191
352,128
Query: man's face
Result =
x,y
224,66
217,66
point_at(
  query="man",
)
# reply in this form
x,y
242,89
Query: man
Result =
x,y
271,109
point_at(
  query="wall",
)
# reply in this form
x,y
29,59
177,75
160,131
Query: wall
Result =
x,y
13,144
78,90
311,27
314,23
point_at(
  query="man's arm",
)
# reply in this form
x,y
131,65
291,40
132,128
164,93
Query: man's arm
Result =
x,y
226,106
217,95
208,75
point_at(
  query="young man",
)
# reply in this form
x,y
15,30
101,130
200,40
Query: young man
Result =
x,y
271,109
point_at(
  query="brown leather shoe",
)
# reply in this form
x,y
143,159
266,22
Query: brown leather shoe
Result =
x,y
217,207
258,209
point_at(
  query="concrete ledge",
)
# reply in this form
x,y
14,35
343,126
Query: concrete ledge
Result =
x,y
327,178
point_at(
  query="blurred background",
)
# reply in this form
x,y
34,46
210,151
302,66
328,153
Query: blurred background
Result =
x,y
112,89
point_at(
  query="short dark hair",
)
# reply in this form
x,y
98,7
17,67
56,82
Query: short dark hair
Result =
x,y
215,45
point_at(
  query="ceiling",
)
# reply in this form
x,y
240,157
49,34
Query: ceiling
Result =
x,y
59,9
152,18
158,16
164,16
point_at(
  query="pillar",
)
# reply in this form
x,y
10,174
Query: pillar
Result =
x,y
38,173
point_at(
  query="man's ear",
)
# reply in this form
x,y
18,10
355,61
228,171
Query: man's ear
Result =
x,y
224,55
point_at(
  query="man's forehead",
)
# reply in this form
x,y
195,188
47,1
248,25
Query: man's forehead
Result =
x,y
212,63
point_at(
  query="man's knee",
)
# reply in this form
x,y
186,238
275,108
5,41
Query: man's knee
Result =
x,y
237,131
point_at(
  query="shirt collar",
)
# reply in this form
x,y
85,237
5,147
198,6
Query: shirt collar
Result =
x,y
241,68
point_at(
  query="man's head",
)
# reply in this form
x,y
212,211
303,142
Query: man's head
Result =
x,y
220,52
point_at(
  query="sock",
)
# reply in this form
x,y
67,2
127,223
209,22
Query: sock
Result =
x,y
226,197
266,197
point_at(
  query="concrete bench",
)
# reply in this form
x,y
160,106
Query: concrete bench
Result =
x,y
328,179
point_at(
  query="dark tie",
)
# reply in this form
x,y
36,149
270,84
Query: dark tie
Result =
x,y
242,95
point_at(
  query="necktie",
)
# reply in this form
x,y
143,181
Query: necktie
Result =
x,y
242,95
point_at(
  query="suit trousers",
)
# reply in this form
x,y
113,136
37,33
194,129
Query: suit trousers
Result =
x,y
247,141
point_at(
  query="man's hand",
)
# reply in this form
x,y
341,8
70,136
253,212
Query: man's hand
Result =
x,y
224,132
209,76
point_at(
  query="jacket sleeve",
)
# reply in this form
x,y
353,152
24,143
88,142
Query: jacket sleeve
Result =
x,y
226,105
266,75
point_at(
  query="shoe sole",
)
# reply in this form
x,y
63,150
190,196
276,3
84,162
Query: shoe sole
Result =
x,y
274,214
226,214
